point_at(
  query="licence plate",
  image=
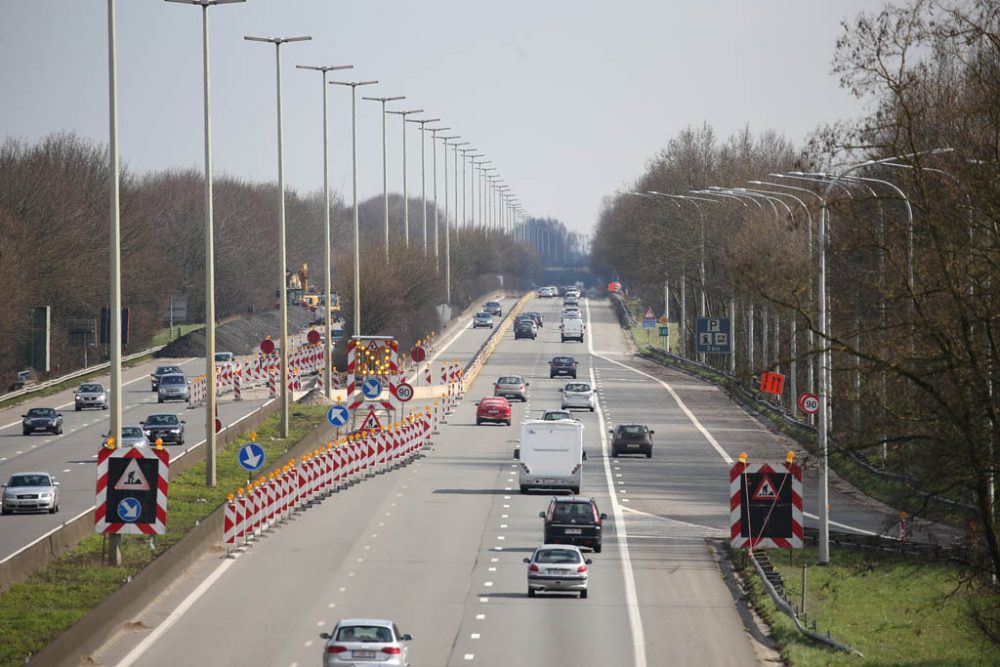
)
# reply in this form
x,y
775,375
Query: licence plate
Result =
x,y
633,445
573,531
557,571
363,654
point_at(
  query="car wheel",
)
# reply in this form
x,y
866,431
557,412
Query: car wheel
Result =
x,y
592,409
551,375
479,422
573,376
5,511
59,430
104,407
614,453
531,592
524,489
508,422
575,490
54,509
77,408
649,455
583,594
181,441
597,548
159,400
25,432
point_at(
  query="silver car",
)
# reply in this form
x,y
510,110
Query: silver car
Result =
x,y
558,415
482,319
557,567
360,642
578,394
30,492
173,388
511,386
90,395
132,436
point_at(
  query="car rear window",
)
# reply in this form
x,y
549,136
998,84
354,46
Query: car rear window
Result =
x,y
580,512
563,361
634,430
578,386
364,633
557,556
510,379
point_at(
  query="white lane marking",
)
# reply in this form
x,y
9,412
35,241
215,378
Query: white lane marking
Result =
x,y
480,617
332,605
308,643
840,525
320,624
494,560
67,470
470,656
503,525
631,596
488,584
484,600
491,569
474,635
176,614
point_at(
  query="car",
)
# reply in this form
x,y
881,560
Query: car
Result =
x,y
493,308
573,520
132,436
493,410
169,428
631,439
365,641
557,415
578,395
546,292
572,312
160,372
557,567
90,395
173,388
42,419
537,317
571,328
224,357
570,300
482,319
562,366
525,328
511,386
30,492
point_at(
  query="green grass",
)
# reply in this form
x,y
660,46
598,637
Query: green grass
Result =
x,y
36,611
164,336
894,610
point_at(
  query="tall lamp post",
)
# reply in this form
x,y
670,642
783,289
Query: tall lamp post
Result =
x,y
447,225
209,244
479,166
423,178
406,196
354,187
278,41
385,168
434,180
327,279
455,149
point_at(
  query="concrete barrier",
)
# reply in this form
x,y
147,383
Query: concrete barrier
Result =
x,y
482,356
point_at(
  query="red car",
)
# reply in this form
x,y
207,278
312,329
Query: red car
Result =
x,y
493,409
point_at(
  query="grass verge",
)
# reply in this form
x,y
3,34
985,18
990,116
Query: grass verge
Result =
x,y
36,611
893,609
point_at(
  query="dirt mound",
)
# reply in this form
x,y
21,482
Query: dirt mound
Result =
x,y
315,397
242,336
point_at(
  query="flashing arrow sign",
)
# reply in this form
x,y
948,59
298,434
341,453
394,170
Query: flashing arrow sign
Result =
x,y
129,509
251,457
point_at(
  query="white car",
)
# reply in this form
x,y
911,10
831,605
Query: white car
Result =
x,y
365,641
546,292
557,415
557,567
30,492
579,394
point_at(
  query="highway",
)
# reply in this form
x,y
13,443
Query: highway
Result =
x,y
437,546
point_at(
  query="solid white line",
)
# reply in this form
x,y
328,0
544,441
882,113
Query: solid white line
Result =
x,y
175,615
631,596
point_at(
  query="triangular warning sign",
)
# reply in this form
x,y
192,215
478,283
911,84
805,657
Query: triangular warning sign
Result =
x,y
765,490
372,346
649,313
132,479
371,422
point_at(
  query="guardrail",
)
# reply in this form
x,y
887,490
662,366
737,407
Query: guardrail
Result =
x,y
75,374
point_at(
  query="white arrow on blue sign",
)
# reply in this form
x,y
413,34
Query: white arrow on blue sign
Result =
x,y
251,457
129,509
338,415
371,388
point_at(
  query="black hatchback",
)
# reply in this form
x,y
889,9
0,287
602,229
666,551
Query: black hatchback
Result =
x,y
573,520
562,366
631,439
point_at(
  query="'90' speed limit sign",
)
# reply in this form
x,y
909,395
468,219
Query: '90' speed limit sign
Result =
x,y
404,391
809,403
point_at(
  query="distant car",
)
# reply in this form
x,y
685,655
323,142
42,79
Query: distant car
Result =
x,y
631,439
537,317
167,427
557,567
493,308
160,372
30,492
173,388
362,642
579,395
546,292
562,366
573,520
90,395
132,436
493,410
482,319
224,357
573,313
511,386
42,419
557,415
525,328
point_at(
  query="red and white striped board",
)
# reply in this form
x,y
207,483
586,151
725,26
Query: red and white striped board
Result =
x,y
147,484
765,506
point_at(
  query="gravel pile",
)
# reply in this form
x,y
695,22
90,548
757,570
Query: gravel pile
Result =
x,y
242,336
315,397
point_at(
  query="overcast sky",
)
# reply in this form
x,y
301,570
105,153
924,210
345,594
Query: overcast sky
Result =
x,y
568,98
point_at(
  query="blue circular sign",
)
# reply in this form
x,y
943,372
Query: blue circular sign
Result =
x,y
338,415
129,510
371,388
251,457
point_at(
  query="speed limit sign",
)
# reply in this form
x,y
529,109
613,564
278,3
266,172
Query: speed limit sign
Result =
x,y
404,391
809,403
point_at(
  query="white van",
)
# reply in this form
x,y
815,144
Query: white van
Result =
x,y
551,455
571,329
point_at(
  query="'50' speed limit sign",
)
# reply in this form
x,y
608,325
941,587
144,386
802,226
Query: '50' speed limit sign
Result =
x,y
809,402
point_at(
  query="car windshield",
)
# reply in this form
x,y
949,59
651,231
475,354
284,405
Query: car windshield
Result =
x,y
633,430
166,370
41,412
557,556
364,633
161,420
578,386
492,304
91,388
29,480
131,432
575,511
510,379
173,379
484,316
223,356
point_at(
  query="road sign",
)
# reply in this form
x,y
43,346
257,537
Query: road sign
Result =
x,y
404,391
418,353
664,330
251,457
809,403
267,346
312,337
338,415
713,334
663,320
371,421
132,487
772,383
371,388
765,506
649,319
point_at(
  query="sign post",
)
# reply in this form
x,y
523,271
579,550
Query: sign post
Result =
x,y
765,505
132,487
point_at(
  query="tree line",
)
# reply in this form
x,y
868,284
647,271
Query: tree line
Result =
x,y
912,255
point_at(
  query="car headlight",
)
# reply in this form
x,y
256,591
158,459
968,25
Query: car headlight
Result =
x,y
8,494
46,494
175,430
26,422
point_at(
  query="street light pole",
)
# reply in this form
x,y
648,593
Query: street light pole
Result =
x,y
423,178
454,147
385,169
327,279
282,269
406,196
354,187
434,131
447,225
209,244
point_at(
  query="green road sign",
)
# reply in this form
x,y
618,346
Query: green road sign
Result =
x,y
664,330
